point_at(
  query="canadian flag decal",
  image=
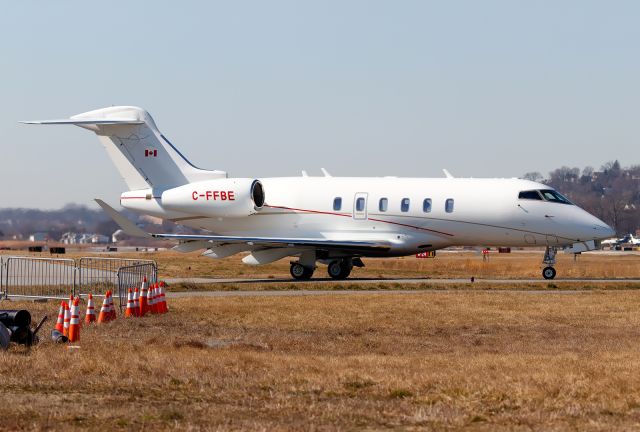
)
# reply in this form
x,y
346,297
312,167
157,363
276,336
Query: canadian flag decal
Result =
x,y
150,152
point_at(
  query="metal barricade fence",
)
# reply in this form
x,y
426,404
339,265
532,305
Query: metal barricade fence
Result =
x,y
97,274
57,278
3,291
132,277
39,277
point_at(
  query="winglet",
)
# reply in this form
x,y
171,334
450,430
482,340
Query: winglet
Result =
x,y
447,174
124,223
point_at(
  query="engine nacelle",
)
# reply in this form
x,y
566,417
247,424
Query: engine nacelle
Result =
x,y
237,197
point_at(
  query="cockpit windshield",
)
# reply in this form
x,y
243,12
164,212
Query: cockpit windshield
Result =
x,y
545,194
553,196
532,194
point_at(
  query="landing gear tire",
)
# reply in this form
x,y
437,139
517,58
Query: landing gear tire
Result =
x,y
549,273
300,272
339,269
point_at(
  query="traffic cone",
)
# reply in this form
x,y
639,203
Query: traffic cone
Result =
x,y
74,326
153,301
104,312
144,299
60,322
70,301
90,316
112,307
136,302
130,310
163,299
67,319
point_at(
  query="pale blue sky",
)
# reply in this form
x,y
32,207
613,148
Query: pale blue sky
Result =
x,y
266,88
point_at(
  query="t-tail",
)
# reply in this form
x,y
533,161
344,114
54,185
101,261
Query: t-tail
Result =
x,y
144,157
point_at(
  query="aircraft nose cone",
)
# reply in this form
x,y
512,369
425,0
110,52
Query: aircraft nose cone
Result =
x,y
607,231
602,230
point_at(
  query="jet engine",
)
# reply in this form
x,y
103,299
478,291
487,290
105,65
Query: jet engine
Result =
x,y
235,197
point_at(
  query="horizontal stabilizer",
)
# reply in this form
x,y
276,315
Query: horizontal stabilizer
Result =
x,y
85,121
127,226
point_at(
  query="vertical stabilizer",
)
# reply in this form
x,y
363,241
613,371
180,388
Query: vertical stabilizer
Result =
x,y
144,157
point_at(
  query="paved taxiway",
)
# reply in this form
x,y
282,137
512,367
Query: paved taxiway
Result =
x,y
302,293
364,281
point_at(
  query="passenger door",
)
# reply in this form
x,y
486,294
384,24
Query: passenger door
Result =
x,y
360,206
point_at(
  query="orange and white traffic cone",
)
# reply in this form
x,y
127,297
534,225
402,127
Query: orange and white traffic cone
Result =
x,y
130,311
60,322
153,301
67,319
136,302
90,316
144,299
163,299
70,301
112,307
74,325
104,312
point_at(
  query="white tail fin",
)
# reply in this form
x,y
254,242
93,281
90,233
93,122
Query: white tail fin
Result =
x,y
141,153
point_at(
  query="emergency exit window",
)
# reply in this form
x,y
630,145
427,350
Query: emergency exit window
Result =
x,y
360,204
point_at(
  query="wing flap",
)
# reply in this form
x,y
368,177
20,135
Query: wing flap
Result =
x,y
280,242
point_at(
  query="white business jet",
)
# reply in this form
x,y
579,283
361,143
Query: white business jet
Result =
x,y
335,221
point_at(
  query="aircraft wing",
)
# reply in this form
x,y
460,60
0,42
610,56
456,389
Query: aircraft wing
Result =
x,y
279,242
268,242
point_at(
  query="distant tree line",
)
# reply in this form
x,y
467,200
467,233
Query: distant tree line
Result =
x,y
611,193
21,223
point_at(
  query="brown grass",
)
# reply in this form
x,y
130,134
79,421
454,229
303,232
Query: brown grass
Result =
x,y
446,265
463,265
437,360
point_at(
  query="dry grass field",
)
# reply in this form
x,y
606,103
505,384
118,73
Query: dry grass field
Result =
x,y
517,265
431,361
464,265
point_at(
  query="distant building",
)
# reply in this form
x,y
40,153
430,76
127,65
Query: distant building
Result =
x,y
76,238
119,236
38,237
99,238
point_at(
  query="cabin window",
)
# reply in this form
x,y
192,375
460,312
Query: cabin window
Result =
x,y
360,204
426,205
383,204
404,205
448,205
531,195
337,204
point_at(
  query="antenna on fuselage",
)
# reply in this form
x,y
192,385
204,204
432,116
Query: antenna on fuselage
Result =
x,y
447,174
304,174
325,172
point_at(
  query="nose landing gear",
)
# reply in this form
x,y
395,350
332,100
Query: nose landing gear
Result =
x,y
549,259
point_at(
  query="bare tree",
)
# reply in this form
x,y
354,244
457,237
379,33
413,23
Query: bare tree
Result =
x,y
533,176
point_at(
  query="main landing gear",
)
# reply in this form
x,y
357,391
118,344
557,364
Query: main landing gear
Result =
x,y
300,272
337,268
549,259
340,269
